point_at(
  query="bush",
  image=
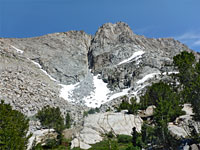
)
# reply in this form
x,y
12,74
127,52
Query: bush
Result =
x,y
124,138
133,148
50,144
110,134
13,128
68,121
93,110
51,117
132,107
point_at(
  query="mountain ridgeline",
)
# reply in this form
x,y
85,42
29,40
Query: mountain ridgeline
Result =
x,y
36,68
74,71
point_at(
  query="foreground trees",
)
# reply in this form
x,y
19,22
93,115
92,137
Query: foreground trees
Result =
x,y
168,99
189,78
51,117
13,128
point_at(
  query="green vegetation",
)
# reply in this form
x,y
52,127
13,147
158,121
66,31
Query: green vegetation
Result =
x,y
131,106
68,121
189,77
51,117
91,111
124,138
13,128
52,144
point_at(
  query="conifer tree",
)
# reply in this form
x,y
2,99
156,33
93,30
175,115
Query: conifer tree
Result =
x,y
13,128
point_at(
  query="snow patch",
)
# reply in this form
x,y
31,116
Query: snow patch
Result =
x,y
147,77
18,50
66,91
99,95
151,75
135,55
168,73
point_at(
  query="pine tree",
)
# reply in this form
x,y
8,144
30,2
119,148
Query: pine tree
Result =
x,y
51,117
68,121
13,128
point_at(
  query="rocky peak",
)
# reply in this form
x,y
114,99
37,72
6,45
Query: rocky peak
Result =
x,y
112,33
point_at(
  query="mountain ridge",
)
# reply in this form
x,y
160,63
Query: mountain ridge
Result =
x,y
115,57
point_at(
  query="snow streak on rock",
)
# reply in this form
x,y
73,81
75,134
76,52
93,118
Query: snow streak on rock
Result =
x,y
39,66
18,50
116,95
147,77
135,55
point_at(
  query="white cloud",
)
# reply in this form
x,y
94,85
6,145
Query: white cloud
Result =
x,y
191,38
197,43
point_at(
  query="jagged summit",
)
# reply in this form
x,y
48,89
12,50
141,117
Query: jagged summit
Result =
x,y
112,33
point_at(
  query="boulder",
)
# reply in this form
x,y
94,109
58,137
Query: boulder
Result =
x,y
100,124
149,111
194,147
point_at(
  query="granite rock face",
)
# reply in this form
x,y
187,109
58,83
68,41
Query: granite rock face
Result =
x,y
100,124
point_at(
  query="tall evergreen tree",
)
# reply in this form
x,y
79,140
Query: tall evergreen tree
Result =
x,y
13,128
68,121
51,117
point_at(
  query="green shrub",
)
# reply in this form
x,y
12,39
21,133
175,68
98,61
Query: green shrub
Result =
x,y
68,121
133,148
110,134
51,117
85,114
124,138
91,111
50,144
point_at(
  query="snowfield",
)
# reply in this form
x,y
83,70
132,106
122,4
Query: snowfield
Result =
x,y
66,91
99,95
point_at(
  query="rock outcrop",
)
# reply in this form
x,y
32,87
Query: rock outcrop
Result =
x,y
100,124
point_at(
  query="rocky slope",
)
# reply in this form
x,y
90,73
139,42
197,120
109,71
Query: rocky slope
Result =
x,y
73,70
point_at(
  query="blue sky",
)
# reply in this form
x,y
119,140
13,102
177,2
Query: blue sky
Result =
x,y
153,18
